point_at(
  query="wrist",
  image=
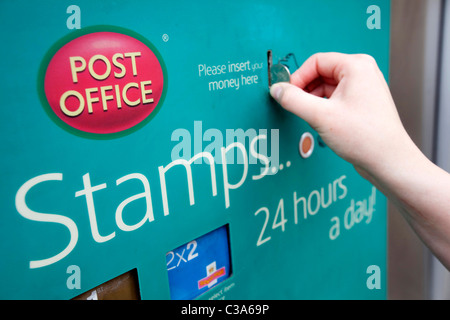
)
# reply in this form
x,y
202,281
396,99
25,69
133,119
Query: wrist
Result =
x,y
399,168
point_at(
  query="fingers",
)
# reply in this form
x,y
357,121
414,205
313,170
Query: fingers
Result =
x,y
321,87
324,75
323,90
299,102
327,66
316,78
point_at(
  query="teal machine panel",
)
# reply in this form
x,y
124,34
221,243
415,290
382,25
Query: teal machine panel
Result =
x,y
139,141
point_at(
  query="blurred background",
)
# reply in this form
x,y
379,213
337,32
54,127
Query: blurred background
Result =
x,y
420,85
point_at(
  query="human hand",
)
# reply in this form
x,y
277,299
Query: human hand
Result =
x,y
359,120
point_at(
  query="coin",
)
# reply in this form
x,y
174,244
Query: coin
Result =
x,y
279,73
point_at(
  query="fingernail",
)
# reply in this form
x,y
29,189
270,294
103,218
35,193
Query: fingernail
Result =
x,y
276,91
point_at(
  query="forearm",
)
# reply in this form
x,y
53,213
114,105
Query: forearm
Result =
x,y
421,191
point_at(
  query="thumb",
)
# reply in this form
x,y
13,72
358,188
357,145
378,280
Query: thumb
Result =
x,y
297,101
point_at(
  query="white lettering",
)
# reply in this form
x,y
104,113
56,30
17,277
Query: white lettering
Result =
x,y
88,192
27,213
226,185
146,195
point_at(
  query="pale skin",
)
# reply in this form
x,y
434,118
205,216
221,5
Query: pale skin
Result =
x,y
359,121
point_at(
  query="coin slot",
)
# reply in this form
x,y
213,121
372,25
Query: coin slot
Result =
x,y
269,66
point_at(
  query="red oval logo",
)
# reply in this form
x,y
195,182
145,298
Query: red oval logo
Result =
x,y
105,82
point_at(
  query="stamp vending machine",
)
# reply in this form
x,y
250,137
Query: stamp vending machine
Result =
x,y
143,157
